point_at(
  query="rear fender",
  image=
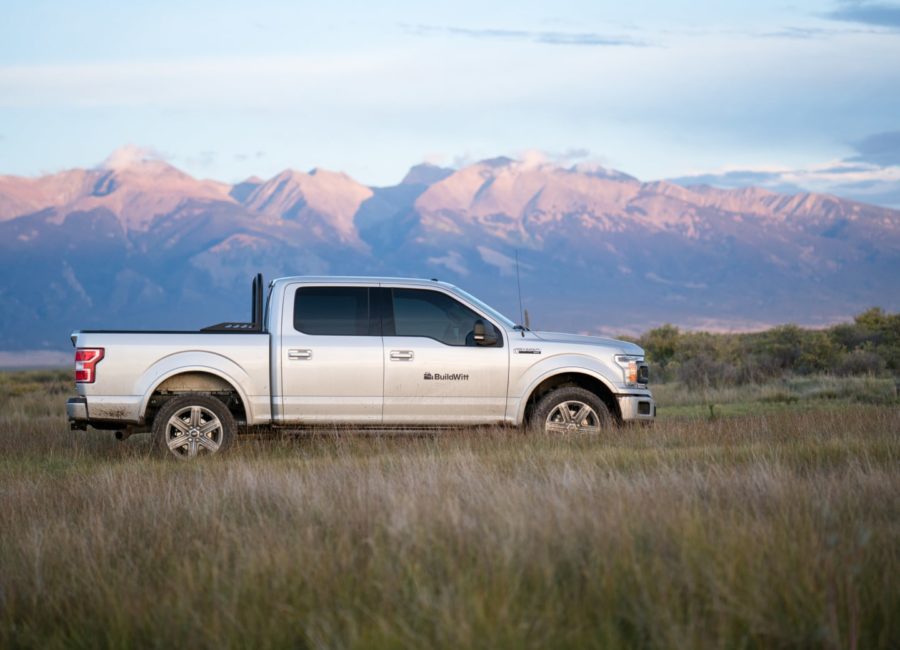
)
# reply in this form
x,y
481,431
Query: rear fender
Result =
x,y
183,362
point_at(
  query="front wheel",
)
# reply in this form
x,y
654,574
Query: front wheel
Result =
x,y
571,410
193,425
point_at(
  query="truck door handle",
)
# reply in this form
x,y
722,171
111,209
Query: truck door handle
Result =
x,y
299,354
401,355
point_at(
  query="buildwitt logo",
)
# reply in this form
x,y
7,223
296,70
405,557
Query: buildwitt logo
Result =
x,y
456,376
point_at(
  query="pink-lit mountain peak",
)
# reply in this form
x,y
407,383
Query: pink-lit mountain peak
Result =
x,y
513,187
132,184
324,199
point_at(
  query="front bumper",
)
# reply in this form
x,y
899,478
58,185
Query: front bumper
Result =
x,y
637,408
76,411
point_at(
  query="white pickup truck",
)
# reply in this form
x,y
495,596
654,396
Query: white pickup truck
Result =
x,y
373,353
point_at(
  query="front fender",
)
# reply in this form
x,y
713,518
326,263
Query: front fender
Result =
x,y
558,365
193,361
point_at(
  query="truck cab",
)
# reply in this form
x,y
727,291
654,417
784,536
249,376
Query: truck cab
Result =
x,y
357,351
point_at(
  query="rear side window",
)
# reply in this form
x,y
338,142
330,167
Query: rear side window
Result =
x,y
332,311
419,312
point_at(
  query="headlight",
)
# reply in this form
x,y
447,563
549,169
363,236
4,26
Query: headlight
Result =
x,y
634,370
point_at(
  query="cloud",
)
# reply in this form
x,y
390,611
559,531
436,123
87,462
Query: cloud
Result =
x,y
243,157
453,261
575,153
504,263
192,82
797,32
130,155
435,158
539,157
850,178
533,158
872,175
463,160
772,180
867,13
878,148
807,33
543,37
653,277
203,159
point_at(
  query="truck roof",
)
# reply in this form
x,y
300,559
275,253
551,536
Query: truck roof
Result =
x,y
352,279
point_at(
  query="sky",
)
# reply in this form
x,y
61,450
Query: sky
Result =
x,y
785,94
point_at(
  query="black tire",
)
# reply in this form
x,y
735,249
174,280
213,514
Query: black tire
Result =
x,y
196,413
564,405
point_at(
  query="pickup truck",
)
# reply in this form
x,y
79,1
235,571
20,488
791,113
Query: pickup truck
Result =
x,y
376,353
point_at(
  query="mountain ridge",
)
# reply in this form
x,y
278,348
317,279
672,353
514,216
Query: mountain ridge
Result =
x,y
138,242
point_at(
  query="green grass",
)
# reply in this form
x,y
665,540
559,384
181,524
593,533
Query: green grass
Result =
x,y
795,394
771,528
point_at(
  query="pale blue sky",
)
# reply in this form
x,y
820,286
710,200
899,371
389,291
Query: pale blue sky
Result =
x,y
789,94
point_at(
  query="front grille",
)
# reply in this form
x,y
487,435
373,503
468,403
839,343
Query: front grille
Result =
x,y
643,373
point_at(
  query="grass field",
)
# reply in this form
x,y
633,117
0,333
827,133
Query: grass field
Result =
x,y
773,523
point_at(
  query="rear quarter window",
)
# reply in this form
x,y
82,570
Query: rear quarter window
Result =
x,y
332,311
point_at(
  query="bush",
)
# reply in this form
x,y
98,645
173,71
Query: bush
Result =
x,y
861,362
703,370
868,345
661,344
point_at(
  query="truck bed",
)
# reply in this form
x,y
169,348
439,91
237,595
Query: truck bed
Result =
x,y
135,362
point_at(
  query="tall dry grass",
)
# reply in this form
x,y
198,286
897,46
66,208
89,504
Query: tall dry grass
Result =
x,y
767,531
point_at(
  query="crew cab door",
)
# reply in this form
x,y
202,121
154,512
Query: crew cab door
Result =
x,y
331,356
434,372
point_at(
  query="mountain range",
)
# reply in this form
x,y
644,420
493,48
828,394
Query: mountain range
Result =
x,y
137,243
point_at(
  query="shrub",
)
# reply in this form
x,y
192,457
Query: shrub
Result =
x,y
869,345
703,370
861,362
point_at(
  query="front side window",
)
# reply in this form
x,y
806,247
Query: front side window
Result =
x,y
332,311
419,312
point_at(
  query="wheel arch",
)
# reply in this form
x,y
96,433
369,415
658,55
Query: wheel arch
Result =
x,y
580,377
206,380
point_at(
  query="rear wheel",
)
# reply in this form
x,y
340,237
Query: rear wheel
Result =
x,y
571,410
193,425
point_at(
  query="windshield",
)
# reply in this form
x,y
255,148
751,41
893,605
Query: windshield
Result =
x,y
486,308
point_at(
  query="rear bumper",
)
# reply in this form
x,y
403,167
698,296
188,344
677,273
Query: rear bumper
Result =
x,y
637,408
76,411
107,413
104,411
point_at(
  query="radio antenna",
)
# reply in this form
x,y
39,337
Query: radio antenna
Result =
x,y
519,287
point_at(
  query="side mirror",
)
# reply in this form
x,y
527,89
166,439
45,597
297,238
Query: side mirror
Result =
x,y
482,336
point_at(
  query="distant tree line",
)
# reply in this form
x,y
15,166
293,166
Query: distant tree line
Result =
x,y
870,345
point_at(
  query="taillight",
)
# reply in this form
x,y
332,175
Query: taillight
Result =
x,y
86,360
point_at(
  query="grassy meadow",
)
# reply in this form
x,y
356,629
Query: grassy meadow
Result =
x,y
762,516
